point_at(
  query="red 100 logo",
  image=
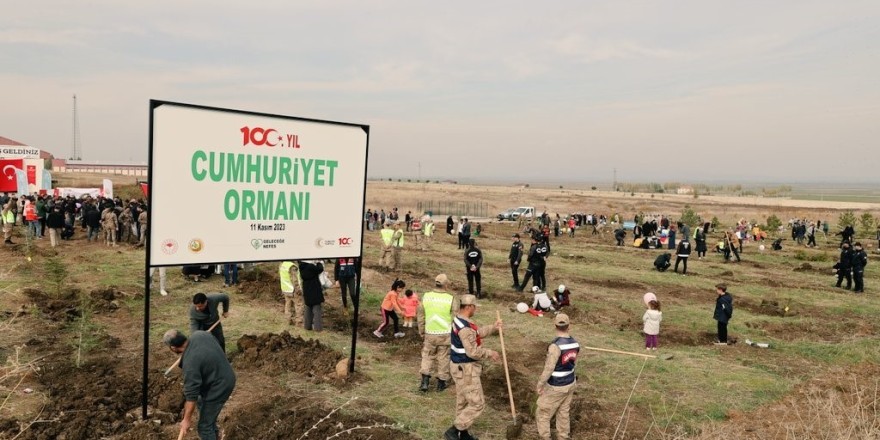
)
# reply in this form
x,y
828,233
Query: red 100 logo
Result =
x,y
260,136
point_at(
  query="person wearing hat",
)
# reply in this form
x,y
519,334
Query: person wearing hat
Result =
x,y
386,233
473,261
542,302
859,261
208,379
515,256
556,384
563,297
435,322
466,349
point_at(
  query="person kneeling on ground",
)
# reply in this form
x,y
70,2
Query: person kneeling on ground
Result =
x,y
563,297
542,302
662,262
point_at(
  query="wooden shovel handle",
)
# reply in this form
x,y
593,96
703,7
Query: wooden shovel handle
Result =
x,y
506,371
177,362
620,352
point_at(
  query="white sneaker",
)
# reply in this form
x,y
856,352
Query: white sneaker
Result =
x,y
377,334
164,292
399,334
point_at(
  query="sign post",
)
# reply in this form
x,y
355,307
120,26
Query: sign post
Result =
x,y
238,186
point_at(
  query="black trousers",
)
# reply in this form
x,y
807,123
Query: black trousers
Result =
x,y
859,278
681,259
811,240
845,273
347,287
541,277
722,331
217,332
474,276
530,271
514,270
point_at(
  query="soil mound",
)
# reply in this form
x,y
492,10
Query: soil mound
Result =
x,y
619,284
106,300
260,284
61,307
285,417
92,401
274,353
495,391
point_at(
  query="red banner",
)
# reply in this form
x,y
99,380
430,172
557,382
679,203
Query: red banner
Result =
x,y
8,182
145,187
32,174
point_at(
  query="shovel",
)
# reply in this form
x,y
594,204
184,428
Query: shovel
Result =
x,y
513,431
177,362
665,356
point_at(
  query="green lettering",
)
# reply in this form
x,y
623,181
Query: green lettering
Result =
x,y
231,204
197,172
216,168
235,167
307,206
253,168
247,205
281,207
319,172
270,173
331,164
296,206
265,204
306,166
284,171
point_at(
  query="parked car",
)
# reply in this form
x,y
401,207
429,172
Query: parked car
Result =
x,y
506,214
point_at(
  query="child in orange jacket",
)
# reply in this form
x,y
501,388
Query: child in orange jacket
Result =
x,y
390,308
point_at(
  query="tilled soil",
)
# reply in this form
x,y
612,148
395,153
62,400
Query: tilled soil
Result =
x,y
285,417
274,353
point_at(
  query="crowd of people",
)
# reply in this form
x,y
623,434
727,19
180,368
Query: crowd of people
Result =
x,y
106,220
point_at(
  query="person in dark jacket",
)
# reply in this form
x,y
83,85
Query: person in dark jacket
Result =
x,y
92,220
55,223
662,262
723,312
449,225
859,261
847,234
473,261
681,255
532,258
205,312
700,239
345,273
313,293
844,266
208,379
515,257
619,235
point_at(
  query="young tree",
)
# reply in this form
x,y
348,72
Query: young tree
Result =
x,y
689,216
773,223
867,222
846,219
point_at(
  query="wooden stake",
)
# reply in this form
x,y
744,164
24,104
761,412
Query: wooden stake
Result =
x,y
506,371
620,352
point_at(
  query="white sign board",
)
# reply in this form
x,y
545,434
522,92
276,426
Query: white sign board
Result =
x,y
234,186
16,152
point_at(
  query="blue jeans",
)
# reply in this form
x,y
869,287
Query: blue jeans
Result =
x,y
208,413
233,268
35,229
93,233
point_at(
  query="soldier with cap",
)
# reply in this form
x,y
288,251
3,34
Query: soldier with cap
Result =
x,y
466,350
435,314
386,233
556,385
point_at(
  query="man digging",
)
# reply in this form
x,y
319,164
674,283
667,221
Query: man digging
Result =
x,y
208,379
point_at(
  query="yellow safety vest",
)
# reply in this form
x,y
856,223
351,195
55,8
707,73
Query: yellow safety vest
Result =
x,y
428,229
438,312
284,276
387,233
9,217
399,243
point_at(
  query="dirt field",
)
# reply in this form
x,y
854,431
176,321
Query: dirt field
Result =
x,y
72,338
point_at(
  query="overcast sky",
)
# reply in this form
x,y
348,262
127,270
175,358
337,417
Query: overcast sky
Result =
x,y
567,90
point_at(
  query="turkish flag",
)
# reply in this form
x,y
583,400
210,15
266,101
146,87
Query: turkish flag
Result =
x,y
145,187
8,182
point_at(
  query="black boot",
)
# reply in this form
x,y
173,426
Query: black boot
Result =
x,y
441,385
464,435
451,434
426,381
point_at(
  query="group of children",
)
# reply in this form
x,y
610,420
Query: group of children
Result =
x,y
393,304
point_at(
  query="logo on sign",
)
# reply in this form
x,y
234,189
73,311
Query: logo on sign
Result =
x,y
196,245
345,241
320,242
169,246
257,243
